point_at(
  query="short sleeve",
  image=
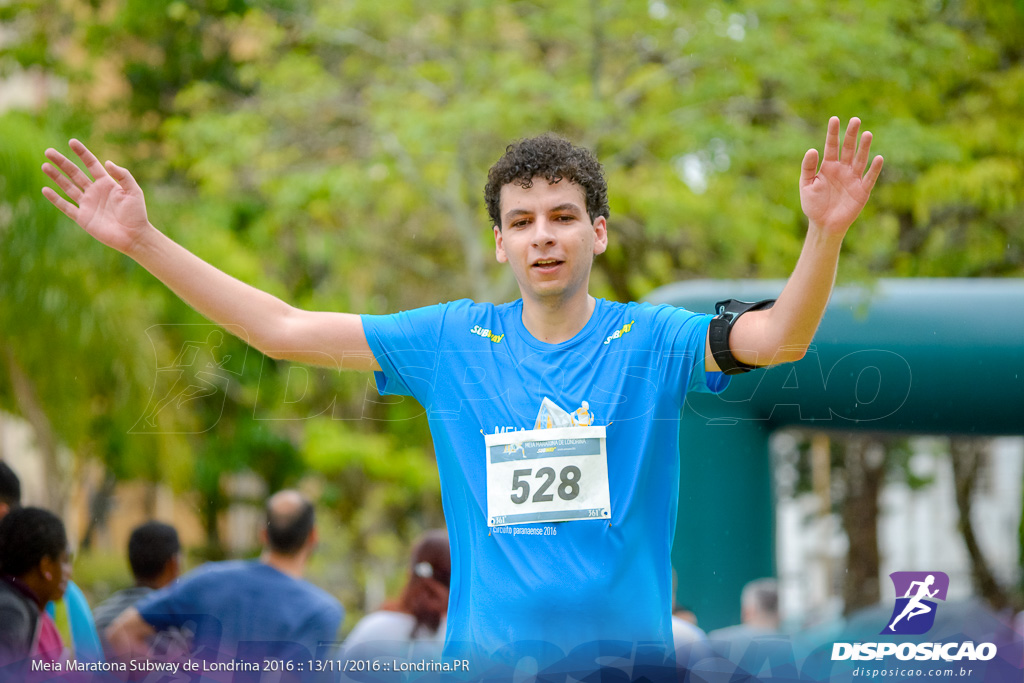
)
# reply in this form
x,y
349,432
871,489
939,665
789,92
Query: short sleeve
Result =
x,y
684,336
161,608
406,345
700,379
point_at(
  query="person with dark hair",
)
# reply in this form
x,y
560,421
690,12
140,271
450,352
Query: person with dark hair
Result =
x,y
264,604
557,537
34,569
10,489
410,626
553,159
288,527
72,610
154,554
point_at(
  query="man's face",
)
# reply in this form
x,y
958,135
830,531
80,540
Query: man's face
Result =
x,y
548,239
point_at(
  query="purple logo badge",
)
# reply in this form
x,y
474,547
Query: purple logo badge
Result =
x,y
916,593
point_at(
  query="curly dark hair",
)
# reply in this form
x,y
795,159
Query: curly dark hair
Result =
x,y
553,158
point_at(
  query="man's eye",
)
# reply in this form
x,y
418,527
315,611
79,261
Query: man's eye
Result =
x,y
519,223
566,218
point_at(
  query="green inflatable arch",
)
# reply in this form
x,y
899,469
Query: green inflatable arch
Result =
x,y
917,356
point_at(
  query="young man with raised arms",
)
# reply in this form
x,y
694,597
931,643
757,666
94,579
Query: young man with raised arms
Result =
x,y
560,528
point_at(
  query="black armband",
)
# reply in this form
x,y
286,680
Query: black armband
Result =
x,y
728,312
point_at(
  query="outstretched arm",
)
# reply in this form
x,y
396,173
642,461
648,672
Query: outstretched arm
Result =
x,y
110,206
831,197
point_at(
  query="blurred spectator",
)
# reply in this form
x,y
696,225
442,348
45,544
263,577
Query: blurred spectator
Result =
x,y
263,603
412,625
10,489
154,554
71,614
688,640
685,613
34,569
684,628
73,617
760,605
759,613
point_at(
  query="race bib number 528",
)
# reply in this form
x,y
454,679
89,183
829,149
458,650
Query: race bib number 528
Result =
x,y
547,475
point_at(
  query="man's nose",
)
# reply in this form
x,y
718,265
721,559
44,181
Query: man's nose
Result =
x,y
543,232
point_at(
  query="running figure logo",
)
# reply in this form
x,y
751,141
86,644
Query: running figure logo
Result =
x,y
914,612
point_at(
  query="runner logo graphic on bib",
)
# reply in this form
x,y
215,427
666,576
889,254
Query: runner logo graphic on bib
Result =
x,y
556,472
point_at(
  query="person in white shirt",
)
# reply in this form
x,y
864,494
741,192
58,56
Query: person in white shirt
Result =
x,y
413,624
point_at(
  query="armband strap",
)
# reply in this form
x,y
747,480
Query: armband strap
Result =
x,y
728,312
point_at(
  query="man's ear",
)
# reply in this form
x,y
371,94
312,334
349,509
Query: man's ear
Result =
x,y
171,570
600,235
173,566
499,246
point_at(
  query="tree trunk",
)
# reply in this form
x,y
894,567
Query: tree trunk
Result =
x,y
55,482
101,502
864,459
968,456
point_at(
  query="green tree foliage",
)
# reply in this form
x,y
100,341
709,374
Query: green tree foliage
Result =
x,y
67,366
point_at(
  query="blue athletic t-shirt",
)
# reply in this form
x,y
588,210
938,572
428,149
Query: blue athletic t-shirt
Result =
x,y
477,370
